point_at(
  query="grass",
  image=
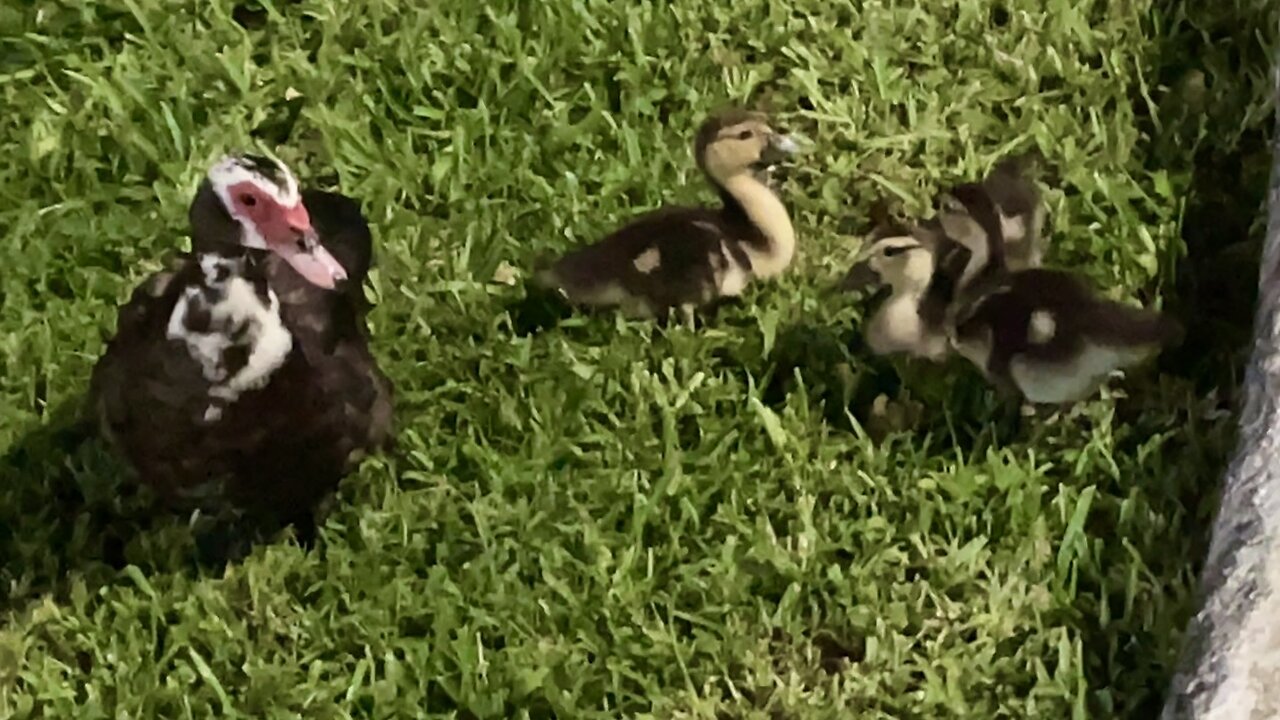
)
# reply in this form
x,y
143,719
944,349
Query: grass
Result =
x,y
603,520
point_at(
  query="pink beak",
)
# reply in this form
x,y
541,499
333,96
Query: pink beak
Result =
x,y
299,245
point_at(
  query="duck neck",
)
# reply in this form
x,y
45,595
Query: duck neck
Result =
x,y
766,212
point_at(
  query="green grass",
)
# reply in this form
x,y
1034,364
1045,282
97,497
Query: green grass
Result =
x,y
603,520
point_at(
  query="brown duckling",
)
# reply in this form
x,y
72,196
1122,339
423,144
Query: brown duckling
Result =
x,y
1045,332
998,221
909,320
1021,210
689,257
239,378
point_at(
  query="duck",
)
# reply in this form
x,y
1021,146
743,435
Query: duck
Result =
x,y
1018,209
993,225
691,258
1045,333
239,380
1005,197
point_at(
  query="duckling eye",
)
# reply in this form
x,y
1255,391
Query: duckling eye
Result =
x,y
248,200
746,134
893,251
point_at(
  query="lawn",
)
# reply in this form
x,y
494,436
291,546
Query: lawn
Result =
x,y
604,519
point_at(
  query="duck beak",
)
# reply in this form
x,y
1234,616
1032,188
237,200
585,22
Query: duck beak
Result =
x,y
299,245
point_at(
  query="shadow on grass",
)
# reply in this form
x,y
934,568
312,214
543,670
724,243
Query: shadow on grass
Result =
x,y
72,516
1206,128
67,512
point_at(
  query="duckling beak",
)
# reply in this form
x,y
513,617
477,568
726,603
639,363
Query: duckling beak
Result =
x,y
859,277
780,148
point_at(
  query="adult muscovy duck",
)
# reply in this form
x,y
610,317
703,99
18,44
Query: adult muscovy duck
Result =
x,y
240,379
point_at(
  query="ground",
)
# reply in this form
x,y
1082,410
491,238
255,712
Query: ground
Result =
x,y
602,519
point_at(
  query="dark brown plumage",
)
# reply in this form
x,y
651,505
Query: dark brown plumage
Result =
x,y
684,238
272,449
1050,336
1044,332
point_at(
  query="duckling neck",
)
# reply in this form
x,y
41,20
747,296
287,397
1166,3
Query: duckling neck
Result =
x,y
913,290
767,213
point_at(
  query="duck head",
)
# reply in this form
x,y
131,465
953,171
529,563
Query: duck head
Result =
x,y
739,141
902,262
253,201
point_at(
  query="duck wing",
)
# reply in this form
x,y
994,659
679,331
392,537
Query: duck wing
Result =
x,y
148,394
1033,313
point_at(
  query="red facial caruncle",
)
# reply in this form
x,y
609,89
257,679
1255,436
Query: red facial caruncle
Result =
x,y
284,230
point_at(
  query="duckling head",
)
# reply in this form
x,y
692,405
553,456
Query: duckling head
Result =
x,y
253,201
902,262
969,216
739,141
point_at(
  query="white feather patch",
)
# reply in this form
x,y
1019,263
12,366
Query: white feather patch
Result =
x,y
896,327
648,261
1041,328
733,278
238,318
1053,383
1013,227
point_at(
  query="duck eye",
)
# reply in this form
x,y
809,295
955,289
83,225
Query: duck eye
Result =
x,y
745,135
248,200
893,251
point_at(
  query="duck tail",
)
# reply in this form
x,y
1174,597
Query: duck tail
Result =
x,y
544,275
1132,326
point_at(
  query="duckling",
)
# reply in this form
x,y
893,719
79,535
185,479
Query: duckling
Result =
x,y
1042,332
691,257
999,221
1021,210
239,379
909,320
1046,334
